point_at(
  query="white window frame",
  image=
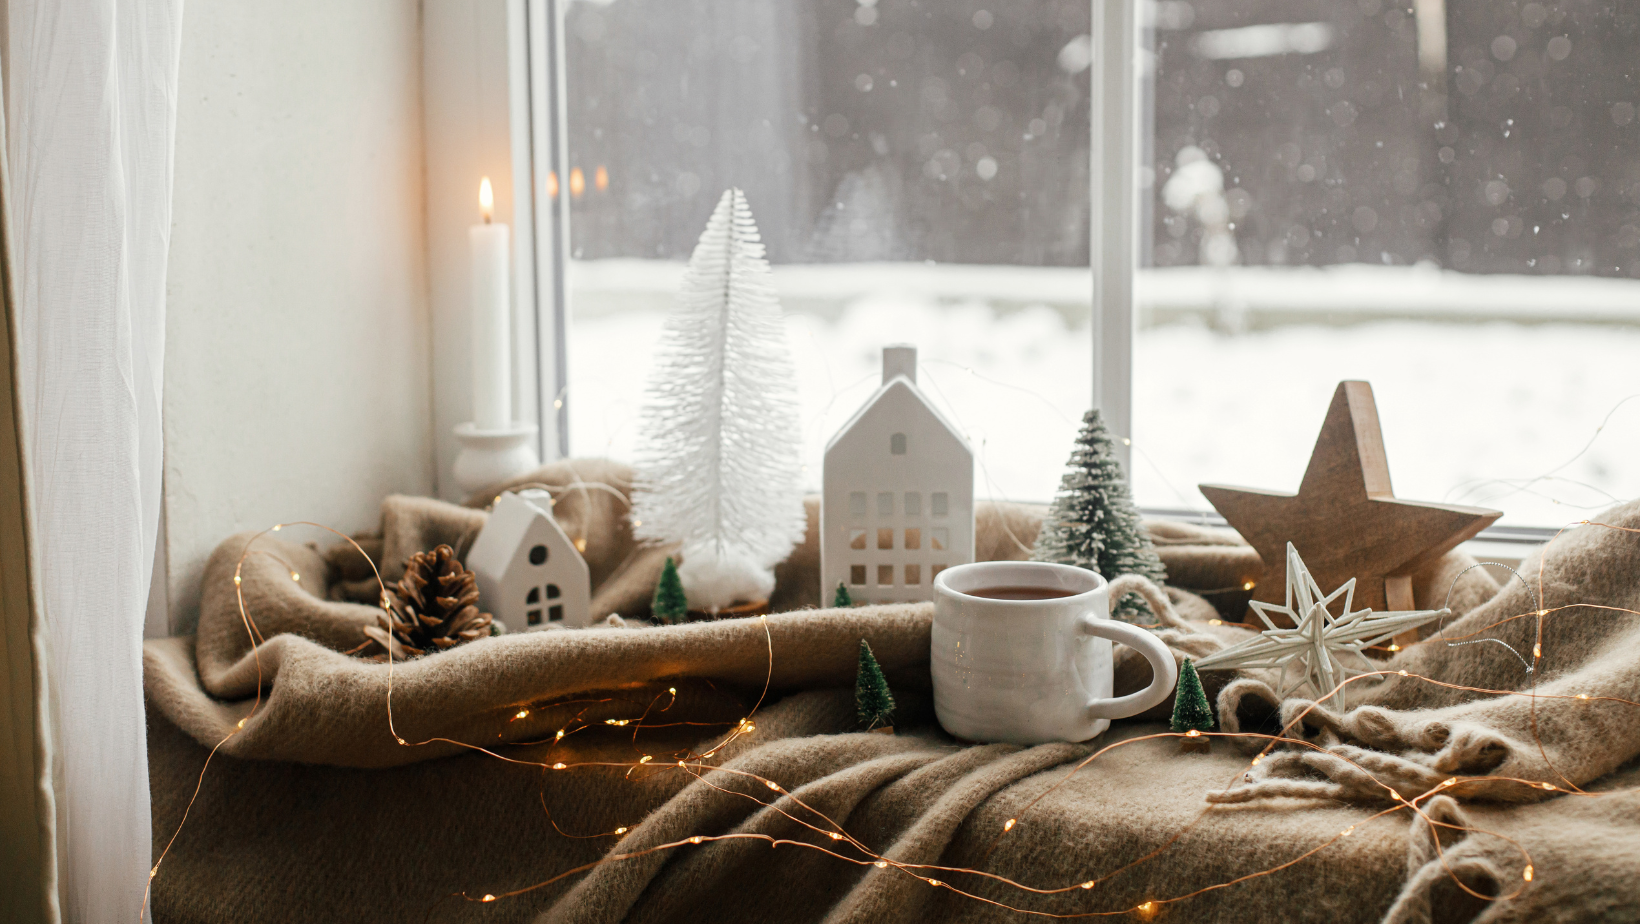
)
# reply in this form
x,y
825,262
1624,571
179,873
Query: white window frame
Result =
x,y
540,149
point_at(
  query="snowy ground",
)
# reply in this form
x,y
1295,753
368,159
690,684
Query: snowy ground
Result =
x,y
1472,410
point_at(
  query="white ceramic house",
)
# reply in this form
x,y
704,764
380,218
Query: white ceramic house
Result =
x,y
897,497
530,575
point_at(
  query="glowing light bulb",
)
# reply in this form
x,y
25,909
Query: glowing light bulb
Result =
x,y
560,736
600,178
577,182
773,785
486,199
616,721
637,522
672,690
1347,831
1193,733
1126,441
1582,696
522,714
880,864
1537,651
1402,673
1394,647
695,840
581,544
933,882
1549,786
1527,873
1215,622
1257,759
1450,781
1147,906
242,722
1246,585
558,766
834,835
645,759
236,580
487,896
620,830
1088,884
402,741
680,763
1009,824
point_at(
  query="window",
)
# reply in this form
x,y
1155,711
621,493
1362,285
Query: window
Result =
x,y
553,592
913,538
1438,198
555,613
856,538
913,575
538,555
934,571
915,177
885,504
857,575
1435,197
534,596
885,537
857,504
885,575
913,504
939,539
938,503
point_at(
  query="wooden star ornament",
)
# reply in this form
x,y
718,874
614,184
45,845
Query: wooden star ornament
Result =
x,y
1314,656
1345,516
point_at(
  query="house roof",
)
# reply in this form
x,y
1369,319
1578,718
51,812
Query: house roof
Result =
x,y
511,520
898,382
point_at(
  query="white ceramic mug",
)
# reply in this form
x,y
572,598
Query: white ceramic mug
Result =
x,y
1032,671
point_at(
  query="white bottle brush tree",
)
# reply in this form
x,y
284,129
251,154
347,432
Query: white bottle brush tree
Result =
x,y
719,471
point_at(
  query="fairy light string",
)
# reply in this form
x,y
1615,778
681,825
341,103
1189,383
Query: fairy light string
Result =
x,y
790,806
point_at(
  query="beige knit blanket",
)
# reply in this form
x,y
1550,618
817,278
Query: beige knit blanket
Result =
x,y
313,811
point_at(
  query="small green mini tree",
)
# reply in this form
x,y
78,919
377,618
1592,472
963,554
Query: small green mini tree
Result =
x,y
842,598
670,606
1191,710
1093,522
872,701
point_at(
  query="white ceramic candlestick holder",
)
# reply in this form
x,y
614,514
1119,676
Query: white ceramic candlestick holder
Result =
x,y
488,457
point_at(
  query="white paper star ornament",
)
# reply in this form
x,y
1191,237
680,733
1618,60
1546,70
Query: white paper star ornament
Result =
x,y
1310,654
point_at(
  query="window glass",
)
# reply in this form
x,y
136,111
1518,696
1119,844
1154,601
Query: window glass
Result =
x,y
885,504
857,574
896,444
939,538
885,537
913,575
913,504
857,504
885,575
913,538
856,538
938,503
918,171
1440,198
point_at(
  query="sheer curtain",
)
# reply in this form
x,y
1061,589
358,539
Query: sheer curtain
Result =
x,y
90,125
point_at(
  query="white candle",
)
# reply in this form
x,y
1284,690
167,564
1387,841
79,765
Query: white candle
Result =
x,y
492,368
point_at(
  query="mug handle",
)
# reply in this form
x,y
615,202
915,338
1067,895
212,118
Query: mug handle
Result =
x,y
1165,671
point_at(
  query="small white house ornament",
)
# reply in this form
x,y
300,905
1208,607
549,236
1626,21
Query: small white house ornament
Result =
x,y
530,575
897,498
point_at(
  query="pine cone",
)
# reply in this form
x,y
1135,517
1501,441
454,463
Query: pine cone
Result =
x,y
434,607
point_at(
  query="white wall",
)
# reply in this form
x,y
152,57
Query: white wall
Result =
x,y
297,373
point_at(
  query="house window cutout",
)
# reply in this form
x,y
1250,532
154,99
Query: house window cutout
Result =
x,y
913,575
885,537
857,503
896,444
939,503
913,504
934,571
553,592
857,539
939,539
857,575
885,504
913,540
555,613
885,575
533,617
534,595
538,555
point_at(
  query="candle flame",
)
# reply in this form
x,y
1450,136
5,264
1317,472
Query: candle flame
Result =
x,y
486,199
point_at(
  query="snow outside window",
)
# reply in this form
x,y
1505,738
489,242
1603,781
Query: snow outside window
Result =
x,y
1441,198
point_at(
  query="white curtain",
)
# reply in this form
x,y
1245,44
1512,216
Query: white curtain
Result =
x,y
91,121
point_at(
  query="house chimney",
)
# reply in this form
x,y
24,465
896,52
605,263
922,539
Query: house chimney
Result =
x,y
900,359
